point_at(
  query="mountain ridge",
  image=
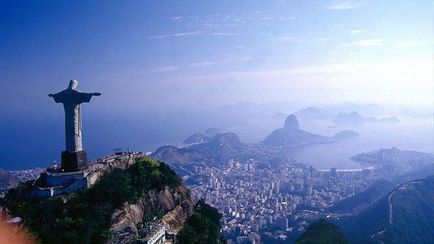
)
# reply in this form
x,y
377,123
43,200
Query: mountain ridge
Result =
x,y
405,215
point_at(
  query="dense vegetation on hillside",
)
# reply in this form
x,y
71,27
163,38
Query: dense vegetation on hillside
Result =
x,y
322,232
203,226
84,217
362,200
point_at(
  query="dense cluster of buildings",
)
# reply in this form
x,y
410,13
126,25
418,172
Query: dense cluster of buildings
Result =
x,y
26,174
277,203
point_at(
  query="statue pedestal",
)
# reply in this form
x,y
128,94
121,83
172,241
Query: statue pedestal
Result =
x,y
74,161
54,183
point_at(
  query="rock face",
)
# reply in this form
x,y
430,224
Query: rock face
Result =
x,y
291,135
291,123
175,204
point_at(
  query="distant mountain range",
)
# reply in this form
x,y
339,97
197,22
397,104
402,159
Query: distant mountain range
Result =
x,y
405,215
395,159
355,119
314,113
349,119
345,135
291,135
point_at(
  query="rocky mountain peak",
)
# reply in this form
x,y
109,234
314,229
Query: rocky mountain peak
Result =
x,y
291,122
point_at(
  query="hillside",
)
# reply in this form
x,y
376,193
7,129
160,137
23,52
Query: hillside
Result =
x,y
405,215
322,232
118,207
363,200
203,226
219,147
196,138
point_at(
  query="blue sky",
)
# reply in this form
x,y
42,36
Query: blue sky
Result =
x,y
209,53
157,63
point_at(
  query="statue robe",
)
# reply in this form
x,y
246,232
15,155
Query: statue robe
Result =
x,y
71,100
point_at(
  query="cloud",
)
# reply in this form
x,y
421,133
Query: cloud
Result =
x,y
287,39
164,69
366,43
192,33
168,69
180,34
219,24
201,64
176,18
344,6
221,34
356,31
292,39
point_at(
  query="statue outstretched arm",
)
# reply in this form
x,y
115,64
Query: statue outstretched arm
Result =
x,y
84,97
57,97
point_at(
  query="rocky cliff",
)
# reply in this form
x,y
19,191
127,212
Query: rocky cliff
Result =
x,y
175,204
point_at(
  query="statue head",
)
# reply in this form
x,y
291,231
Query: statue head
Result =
x,y
73,84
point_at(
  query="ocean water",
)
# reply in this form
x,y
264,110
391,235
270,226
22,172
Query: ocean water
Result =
x,y
416,135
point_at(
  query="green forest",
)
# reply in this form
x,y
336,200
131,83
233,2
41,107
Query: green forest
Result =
x,y
203,226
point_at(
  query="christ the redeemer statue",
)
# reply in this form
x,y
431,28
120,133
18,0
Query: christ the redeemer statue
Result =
x,y
74,157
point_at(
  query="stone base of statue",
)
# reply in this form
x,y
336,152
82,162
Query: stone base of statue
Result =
x,y
74,161
56,182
